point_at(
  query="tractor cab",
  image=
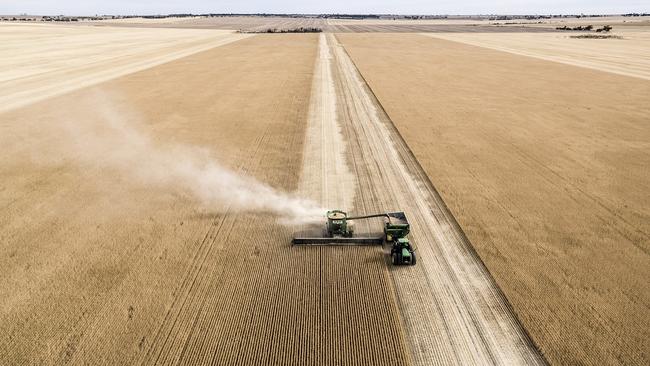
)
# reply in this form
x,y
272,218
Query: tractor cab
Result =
x,y
402,253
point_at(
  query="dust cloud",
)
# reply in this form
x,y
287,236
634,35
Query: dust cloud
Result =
x,y
111,141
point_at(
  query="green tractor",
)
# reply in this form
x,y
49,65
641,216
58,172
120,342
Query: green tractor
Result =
x,y
396,231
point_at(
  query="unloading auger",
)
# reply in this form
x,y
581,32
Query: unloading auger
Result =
x,y
338,231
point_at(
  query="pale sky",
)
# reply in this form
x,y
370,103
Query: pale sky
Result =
x,y
125,7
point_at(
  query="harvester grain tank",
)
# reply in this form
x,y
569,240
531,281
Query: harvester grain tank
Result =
x,y
337,224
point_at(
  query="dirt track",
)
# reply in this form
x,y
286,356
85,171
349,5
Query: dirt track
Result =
x,y
451,309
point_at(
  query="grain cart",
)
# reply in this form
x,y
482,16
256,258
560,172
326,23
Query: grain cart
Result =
x,y
396,230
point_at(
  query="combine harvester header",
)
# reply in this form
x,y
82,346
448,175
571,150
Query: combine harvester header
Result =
x,y
339,232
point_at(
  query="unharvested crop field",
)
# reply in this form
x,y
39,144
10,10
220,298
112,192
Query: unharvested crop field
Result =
x,y
153,175
545,167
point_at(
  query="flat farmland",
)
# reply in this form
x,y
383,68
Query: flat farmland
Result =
x,y
153,176
237,23
279,23
100,267
43,60
366,26
110,255
450,308
259,24
544,165
628,55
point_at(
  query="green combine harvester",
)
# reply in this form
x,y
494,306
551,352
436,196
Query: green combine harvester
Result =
x,y
338,231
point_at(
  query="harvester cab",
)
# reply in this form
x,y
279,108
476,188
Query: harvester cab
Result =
x,y
339,231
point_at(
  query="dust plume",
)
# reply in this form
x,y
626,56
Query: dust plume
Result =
x,y
110,140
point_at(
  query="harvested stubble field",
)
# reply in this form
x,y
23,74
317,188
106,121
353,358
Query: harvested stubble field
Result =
x,y
545,166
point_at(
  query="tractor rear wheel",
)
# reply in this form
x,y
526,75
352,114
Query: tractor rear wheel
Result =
x,y
413,260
